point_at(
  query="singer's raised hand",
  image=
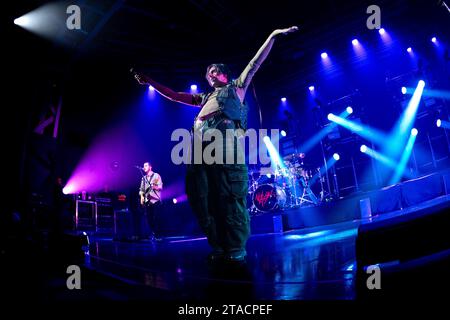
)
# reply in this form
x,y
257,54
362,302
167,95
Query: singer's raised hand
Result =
x,y
284,31
142,79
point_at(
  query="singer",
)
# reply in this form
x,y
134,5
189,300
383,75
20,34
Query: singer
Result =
x,y
217,192
150,200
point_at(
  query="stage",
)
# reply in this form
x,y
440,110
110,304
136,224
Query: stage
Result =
x,y
306,263
322,262
327,121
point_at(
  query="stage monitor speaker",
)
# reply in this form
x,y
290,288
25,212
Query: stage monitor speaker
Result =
x,y
123,225
411,251
266,223
85,215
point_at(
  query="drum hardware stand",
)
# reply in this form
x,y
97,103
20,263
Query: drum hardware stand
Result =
x,y
294,195
307,193
336,185
325,195
253,211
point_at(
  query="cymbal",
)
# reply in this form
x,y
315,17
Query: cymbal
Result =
x,y
266,170
294,156
289,156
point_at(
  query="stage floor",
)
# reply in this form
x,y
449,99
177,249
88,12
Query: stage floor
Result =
x,y
312,263
308,264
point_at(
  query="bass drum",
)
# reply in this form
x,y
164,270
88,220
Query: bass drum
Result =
x,y
269,197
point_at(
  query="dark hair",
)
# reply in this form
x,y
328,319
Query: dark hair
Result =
x,y
222,68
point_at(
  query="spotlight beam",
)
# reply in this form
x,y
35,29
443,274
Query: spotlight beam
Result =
x,y
399,170
314,140
366,132
401,131
386,161
276,160
330,162
409,115
443,124
441,94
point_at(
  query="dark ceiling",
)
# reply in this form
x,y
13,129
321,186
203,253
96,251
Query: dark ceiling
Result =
x,y
168,38
174,41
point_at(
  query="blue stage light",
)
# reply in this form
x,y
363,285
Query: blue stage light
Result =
x,y
364,131
409,115
399,170
363,148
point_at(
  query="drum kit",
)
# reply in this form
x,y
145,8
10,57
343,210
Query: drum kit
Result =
x,y
287,186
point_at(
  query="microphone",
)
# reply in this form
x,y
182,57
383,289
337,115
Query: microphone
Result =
x,y
445,6
139,167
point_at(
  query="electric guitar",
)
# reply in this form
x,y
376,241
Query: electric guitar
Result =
x,y
152,194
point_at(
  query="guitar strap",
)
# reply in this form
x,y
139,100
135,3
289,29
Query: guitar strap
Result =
x,y
148,181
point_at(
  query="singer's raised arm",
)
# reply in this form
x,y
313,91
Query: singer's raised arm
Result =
x,y
181,97
246,76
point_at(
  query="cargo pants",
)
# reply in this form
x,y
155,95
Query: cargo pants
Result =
x,y
217,195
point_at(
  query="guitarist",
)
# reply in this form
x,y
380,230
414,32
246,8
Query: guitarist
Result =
x,y
150,193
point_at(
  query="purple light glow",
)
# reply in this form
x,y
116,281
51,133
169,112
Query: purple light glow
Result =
x,y
180,199
358,49
193,87
385,37
326,61
173,191
311,88
108,163
67,190
409,49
